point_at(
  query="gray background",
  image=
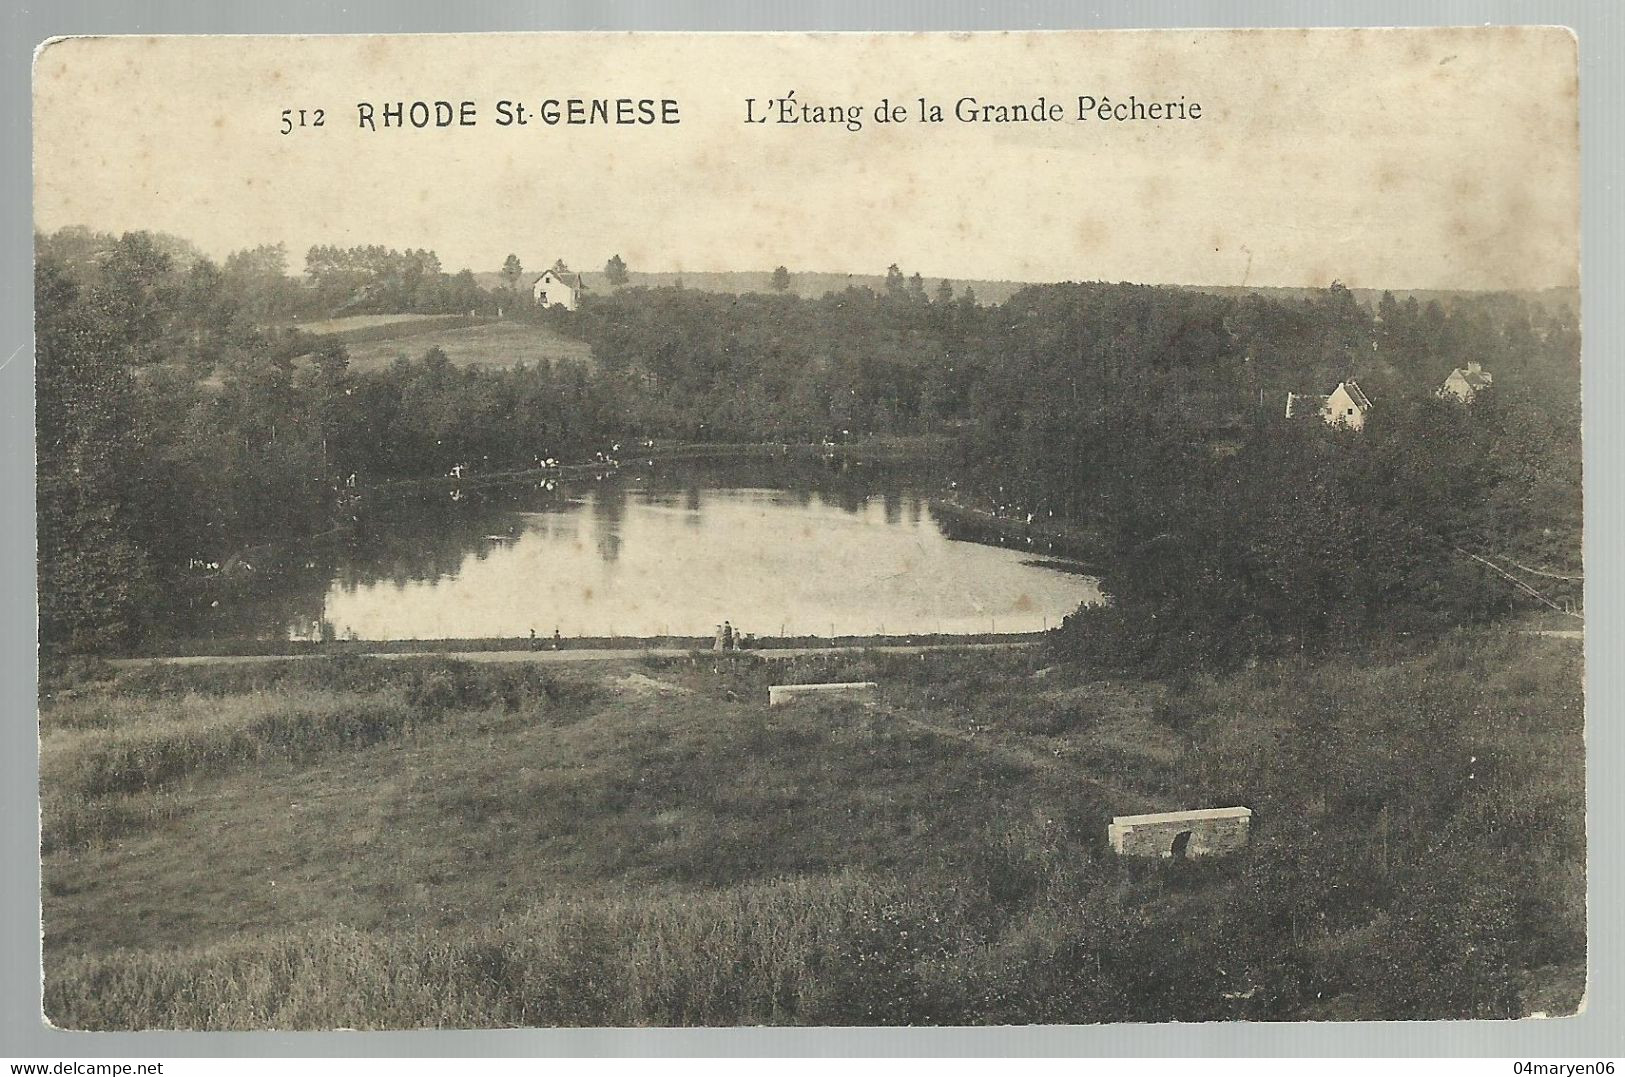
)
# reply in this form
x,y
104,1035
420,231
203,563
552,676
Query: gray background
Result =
x,y
1597,1033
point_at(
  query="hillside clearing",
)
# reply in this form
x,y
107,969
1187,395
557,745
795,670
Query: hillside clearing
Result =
x,y
495,345
354,322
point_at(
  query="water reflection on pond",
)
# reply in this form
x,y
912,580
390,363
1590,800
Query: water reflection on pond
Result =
x,y
656,553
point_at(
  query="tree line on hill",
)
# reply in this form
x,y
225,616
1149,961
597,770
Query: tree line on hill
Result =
x,y
336,281
1307,538
1227,528
173,416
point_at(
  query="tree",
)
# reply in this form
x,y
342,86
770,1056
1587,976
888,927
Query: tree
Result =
x,y
781,279
560,267
376,279
896,283
945,292
331,359
258,279
512,270
331,363
93,576
615,270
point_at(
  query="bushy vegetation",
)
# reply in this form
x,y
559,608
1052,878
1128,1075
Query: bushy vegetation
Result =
x,y
1308,538
378,280
692,856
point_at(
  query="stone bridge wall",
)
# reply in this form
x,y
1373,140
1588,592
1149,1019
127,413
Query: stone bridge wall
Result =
x,y
1212,832
863,691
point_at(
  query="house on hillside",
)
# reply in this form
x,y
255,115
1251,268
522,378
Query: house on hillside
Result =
x,y
1346,405
555,289
1466,384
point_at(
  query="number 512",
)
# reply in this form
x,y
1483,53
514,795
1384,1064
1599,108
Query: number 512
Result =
x,y
292,118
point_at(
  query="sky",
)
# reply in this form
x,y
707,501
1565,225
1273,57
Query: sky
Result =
x,y
1429,158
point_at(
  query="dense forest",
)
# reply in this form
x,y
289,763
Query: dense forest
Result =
x,y
180,416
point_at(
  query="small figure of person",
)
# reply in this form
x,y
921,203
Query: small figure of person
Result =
x,y
533,639
556,638
727,636
716,644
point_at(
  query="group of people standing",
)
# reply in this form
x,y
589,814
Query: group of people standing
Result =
x,y
729,638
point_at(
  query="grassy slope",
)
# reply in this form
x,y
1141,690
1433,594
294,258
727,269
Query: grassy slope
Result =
x,y
499,344
373,341
486,809
355,322
415,842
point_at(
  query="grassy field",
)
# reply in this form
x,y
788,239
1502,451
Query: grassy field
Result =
x,y
363,322
494,344
418,842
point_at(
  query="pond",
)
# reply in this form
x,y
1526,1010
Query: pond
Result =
x,y
668,550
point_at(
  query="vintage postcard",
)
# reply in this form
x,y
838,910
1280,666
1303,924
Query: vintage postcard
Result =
x,y
809,529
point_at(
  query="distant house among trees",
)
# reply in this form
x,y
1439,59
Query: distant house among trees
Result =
x,y
1464,384
1346,405
556,288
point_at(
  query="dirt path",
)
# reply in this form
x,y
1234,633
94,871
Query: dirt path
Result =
x,y
606,654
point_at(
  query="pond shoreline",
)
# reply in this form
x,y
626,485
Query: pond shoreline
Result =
x,y
587,654
263,569
236,569
631,646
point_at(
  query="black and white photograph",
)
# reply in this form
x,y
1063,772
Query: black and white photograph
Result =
x,y
868,529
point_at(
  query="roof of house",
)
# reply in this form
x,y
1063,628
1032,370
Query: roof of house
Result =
x,y
572,279
1475,379
1353,389
1193,815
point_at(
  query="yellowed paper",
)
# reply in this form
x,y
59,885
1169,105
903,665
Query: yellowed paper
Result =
x,y
810,529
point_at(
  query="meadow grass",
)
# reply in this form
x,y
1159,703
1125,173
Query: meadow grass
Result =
x,y
148,730
408,843
356,322
495,344
757,954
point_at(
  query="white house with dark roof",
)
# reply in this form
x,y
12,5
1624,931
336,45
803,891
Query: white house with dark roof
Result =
x,y
555,289
1346,405
1464,384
